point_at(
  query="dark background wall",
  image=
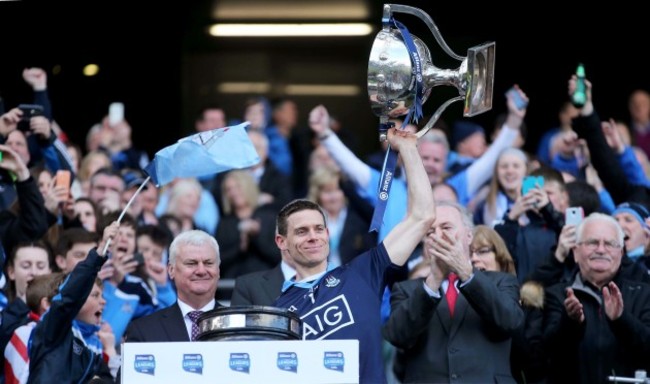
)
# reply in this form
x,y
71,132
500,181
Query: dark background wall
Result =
x,y
158,60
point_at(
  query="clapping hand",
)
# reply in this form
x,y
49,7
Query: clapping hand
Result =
x,y
613,301
573,306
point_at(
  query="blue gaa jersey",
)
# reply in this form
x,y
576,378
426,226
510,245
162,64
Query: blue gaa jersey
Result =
x,y
345,304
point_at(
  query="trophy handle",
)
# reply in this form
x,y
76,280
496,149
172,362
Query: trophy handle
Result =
x,y
436,116
400,8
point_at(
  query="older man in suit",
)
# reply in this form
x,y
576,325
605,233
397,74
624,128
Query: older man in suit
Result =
x,y
456,316
194,268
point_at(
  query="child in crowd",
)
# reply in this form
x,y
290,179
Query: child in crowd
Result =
x,y
128,291
65,346
40,292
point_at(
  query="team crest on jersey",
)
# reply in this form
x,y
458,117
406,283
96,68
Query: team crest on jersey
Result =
x,y
331,281
327,319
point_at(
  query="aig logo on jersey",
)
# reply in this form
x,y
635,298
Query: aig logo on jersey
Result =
x,y
327,319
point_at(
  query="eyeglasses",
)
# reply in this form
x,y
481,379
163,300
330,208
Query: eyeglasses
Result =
x,y
592,244
481,251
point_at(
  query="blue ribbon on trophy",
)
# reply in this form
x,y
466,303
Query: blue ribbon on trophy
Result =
x,y
390,160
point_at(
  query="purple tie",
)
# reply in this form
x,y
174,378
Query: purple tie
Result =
x,y
194,317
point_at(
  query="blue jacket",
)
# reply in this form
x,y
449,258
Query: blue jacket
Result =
x,y
133,299
56,353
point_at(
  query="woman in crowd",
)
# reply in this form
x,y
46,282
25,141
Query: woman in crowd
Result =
x,y
26,261
184,198
489,253
505,188
87,212
246,231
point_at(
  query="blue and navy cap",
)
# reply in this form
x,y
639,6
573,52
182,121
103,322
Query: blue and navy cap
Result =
x,y
133,179
635,209
462,129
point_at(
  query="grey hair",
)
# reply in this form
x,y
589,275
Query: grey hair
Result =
x,y
193,237
464,215
436,136
596,216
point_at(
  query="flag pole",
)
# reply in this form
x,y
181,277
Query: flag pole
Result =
x,y
119,219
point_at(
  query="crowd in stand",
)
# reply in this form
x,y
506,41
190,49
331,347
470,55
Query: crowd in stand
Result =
x,y
490,284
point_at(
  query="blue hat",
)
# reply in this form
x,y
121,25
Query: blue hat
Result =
x,y
462,129
133,179
635,209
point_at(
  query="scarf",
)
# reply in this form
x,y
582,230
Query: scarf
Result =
x,y
88,333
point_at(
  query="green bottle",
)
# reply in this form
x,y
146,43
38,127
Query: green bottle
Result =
x,y
579,97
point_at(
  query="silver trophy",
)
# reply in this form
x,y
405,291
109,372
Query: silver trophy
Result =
x,y
393,81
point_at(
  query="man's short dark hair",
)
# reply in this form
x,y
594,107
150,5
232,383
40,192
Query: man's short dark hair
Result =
x,y
73,236
549,174
158,235
104,171
293,207
583,194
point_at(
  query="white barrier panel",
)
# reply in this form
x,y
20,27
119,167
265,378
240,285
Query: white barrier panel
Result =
x,y
241,362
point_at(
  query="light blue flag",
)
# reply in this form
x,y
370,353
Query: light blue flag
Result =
x,y
204,153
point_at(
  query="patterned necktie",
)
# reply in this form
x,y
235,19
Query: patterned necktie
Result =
x,y
194,317
451,295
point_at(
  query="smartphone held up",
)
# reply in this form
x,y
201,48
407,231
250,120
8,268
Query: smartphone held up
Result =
x,y
573,216
115,113
531,182
519,101
63,179
29,111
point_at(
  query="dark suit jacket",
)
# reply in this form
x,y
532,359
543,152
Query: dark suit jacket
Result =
x,y
258,288
163,325
471,347
355,238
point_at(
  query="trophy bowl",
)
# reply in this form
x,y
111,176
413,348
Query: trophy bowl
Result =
x,y
390,74
249,323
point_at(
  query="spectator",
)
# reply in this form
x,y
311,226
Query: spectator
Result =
x,y
40,292
246,233
476,323
194,268
64,344
599,316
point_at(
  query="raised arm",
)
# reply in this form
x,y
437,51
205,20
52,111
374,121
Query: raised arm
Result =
x,y
402,240
351,165
31,222
481,170
588,126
